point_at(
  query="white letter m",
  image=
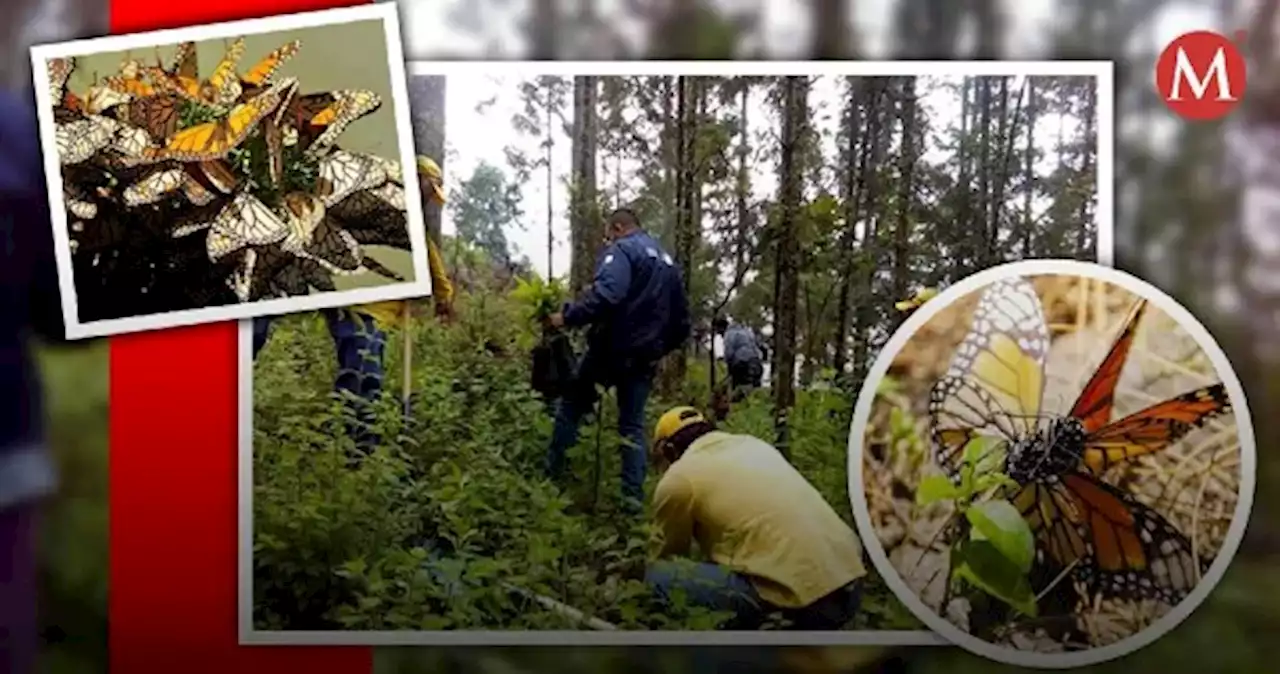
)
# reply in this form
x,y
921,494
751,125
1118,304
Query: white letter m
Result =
x,y
1217,72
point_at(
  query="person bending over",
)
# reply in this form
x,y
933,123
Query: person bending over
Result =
x,y
636,312
774,544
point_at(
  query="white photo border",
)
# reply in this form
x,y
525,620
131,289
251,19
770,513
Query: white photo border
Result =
x,y
420,286
1244,429
1102,71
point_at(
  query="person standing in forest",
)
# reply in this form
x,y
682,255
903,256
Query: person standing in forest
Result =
x,y
360,332
636,312
774,543
742,355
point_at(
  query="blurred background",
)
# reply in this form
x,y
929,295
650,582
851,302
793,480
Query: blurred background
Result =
x,y
1197,213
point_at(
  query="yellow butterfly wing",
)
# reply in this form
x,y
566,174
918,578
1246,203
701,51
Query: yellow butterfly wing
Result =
x,y
213,140
260,73
224,84
995,381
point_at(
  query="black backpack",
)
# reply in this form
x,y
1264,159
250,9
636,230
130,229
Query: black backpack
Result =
x,y
553,364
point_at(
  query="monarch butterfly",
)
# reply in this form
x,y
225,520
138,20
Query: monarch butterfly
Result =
x,y
80,208
213,140
80,139
319,118
343,173
60,70
154,186
242,223
130,81
219,91
1112,542
157,115
315,237
260,74
375,216
100,99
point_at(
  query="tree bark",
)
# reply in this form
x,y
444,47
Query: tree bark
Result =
x,y
427,96
906,190
794,128
585,222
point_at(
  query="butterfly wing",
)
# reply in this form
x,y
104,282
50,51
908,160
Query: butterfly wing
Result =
x,y
154,186
261,73
60,70
1154,428
79,140
224,83
995,382
213,140
343,173
320,118
244,222
158,115
1119,547
1093,406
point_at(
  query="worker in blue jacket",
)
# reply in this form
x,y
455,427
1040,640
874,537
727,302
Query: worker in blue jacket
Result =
x,y
636,312
28,307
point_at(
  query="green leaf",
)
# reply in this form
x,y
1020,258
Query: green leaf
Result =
x,y
984,454
936,488
982,565
999,523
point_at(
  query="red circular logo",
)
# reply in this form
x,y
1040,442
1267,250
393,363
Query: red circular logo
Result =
x,y
1201,75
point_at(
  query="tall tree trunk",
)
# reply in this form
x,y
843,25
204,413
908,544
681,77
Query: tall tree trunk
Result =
x,y
1029,171
794,123
986,255
427,93
906,189
550,146
962,236
872,215
585,224
741,199
1090,114
863,93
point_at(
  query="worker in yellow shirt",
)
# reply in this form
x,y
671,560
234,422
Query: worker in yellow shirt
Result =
x,y
360,332
775,547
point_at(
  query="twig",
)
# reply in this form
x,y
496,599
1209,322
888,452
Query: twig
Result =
x,y
562,609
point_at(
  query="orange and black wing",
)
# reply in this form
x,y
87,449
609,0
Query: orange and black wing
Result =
x,y
1119,547
1093,407
157,115
1154,428
260,74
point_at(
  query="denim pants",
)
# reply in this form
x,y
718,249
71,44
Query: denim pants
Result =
x,y
360,346
633,393
19,630
718,588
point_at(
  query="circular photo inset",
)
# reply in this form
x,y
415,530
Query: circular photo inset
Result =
x,y
1051,463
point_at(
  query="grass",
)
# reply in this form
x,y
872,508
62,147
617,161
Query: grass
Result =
x,y
74,546
338,547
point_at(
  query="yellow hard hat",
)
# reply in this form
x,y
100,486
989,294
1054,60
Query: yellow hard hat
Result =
x,y
430,170
673,421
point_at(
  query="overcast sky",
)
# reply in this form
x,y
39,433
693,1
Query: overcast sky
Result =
x,y
478,133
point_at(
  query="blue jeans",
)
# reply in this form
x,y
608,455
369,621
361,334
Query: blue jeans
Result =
x,y
719,588
360,346
633,394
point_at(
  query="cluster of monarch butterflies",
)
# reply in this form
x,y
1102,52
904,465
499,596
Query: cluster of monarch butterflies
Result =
x,y
1107,542
161,147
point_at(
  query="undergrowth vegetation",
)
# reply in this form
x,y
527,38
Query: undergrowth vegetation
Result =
x,y
451,524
